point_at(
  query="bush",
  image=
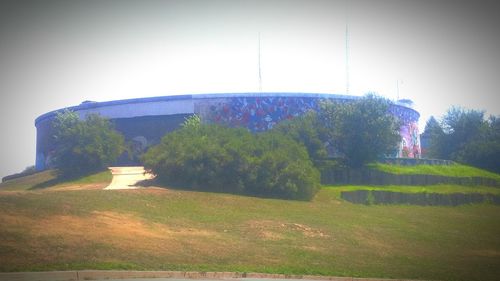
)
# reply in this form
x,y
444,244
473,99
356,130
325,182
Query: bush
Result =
x,y
216,158
85,146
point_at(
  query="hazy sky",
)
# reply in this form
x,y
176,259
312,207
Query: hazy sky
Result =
x,y
55,54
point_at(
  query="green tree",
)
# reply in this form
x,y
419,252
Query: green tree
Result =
x,y
362,130
307,130
465,136
85,146
433,136
461,127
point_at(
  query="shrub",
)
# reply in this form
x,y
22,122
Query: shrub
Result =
x,y
284,169
216,158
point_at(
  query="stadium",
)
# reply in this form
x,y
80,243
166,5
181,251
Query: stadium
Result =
x,y
144,121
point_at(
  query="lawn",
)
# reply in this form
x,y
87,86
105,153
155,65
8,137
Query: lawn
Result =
x,y
163,229
454,170
439,188
49,179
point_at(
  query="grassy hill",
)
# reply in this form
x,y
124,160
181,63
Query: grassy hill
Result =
x,y
391,174
454,170
60,228
440,188
48,179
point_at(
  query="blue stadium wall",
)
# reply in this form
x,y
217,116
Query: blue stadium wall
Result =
x,y
144,121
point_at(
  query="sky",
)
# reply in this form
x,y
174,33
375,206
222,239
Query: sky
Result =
x,y
55,54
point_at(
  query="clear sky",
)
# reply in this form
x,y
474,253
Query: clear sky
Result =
x,y
55,54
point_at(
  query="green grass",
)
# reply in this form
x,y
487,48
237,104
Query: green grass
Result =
x,y
440,188
27,182
102,177
454,170
48,179
159,229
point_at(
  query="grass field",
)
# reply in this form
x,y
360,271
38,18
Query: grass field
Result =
x,y
48,179
59,228
439,188
454,170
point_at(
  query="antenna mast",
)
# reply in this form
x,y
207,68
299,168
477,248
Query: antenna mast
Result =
x,y
397,90
260,74
347,49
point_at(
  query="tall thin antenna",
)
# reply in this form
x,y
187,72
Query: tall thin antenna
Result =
x,y
260,74
397,89
347,49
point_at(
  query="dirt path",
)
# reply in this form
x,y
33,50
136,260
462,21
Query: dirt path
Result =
x,y
128,177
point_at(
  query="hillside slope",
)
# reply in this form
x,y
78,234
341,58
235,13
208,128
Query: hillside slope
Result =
x,y
162,229
48,180
454,170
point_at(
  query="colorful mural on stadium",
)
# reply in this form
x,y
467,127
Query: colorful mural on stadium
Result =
x,y
410,144
410,137
144,121
259,113
262,113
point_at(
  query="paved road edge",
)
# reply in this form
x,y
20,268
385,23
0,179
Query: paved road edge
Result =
x,y
122,274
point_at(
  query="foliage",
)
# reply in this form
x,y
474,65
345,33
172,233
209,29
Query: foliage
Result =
x,y
84,146
484,149
358,131
466,136
434,133
460,127
192,122
361,130
216,158
306,129
284,168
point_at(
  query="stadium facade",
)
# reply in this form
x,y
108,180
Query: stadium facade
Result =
x,y
144,121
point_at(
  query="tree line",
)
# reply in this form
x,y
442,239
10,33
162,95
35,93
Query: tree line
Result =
x,y
279,162
276,163
465,136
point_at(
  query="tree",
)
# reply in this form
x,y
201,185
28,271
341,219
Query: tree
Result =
x,y
431,138
307,130
461,127
465,136
361,131
84,146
